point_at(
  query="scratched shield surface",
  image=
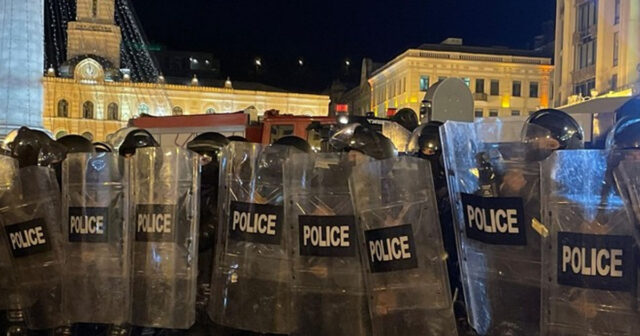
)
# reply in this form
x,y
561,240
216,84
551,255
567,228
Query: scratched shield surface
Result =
x,y
251,282
164,215
328,285
31,223
490,174
95,194
586,216
402,250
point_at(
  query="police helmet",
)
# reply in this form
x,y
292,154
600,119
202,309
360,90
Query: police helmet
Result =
x,y
364,140
102,147
625,135
407,118
554,124
126,140
208,143
294,141
76,144
425,140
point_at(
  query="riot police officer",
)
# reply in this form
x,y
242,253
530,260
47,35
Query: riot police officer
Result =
x,y
406,118
209,145
32,205
501,268
251,284
583,291
425,144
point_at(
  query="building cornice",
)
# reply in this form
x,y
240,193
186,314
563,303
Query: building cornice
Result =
x,y
544,62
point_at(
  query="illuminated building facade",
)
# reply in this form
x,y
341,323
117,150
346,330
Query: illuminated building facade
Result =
x,y
504,82
91,93
21,59
597,48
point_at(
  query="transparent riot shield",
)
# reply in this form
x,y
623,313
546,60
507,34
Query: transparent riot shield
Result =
x,y
402,249
328,286
31,224
95,200
251,284
8,183
164,200
589,282
495,194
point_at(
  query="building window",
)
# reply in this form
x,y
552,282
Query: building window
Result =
x,y
533,89
94,8
143,109
87,110
616,18
495,87
177,110
585,54
112,112
516,88
424,83
584,88
614,82
616,48
493,113
467,81
210,110
478,113
63,109
587,15
515,113
404,85
479,85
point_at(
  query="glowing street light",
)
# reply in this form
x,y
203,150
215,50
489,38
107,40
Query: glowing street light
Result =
x,y
300,62
258,62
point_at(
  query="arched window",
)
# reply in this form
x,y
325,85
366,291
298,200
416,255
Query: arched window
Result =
x,y
60,134
88,135
143,109
87,110
112,112
63,109
177,110
211,110
94,8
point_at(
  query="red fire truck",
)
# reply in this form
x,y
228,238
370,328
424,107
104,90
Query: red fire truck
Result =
x,y
178,130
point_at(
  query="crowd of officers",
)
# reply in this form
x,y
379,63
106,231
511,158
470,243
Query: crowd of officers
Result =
x,y
459,233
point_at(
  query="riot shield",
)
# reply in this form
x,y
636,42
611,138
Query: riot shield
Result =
x,y
495,195
95,200
402,249
589,283
328,287
164,202
32,231
8,183
251,284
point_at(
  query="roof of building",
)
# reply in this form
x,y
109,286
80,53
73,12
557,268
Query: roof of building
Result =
x,y
504,51
237,85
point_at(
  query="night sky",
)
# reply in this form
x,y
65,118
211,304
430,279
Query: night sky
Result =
x,y
325,33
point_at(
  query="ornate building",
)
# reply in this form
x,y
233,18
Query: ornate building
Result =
x,y
597,49
504,82
91,94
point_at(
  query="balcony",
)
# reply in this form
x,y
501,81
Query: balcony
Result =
x,y
480,96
